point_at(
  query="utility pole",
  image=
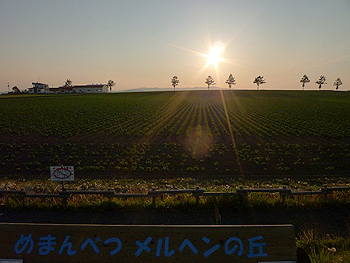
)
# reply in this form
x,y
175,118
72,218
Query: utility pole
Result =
x,y
8,87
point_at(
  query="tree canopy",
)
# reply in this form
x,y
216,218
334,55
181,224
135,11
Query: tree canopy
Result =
x,y
209,81
337,83
304,79
230,81
68,83
175,81
110,84
321,81
259,80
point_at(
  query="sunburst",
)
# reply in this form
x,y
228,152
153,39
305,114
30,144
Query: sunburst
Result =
x,y
214,55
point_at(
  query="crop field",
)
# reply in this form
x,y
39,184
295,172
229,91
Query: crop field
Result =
x,y
171,134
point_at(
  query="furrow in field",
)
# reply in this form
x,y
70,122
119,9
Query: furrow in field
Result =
x,y
187,117
218,118
206,118
247,120
180,118
165,115
193,115
176,119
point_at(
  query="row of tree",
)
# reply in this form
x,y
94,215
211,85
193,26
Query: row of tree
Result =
x,y
232,81
210,81
260,80
322,80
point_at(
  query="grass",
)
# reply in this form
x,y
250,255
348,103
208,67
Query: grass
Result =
x,y
327,249
182,201
143,185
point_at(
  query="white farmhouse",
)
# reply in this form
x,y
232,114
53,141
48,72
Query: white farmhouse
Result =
x,y
39,88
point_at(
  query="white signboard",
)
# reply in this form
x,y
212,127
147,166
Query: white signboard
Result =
x,y
62,173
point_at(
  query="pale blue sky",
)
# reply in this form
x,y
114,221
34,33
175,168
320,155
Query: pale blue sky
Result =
x,y
144,43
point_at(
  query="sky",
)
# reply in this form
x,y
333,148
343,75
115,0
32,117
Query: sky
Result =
x,y
144,43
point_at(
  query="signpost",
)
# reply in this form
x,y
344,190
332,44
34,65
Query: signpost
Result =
x,y
98,243
62,174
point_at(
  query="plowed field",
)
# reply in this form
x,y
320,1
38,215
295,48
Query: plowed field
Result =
x,y
190,133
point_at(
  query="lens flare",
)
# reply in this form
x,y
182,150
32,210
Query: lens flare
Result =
x,y
214,55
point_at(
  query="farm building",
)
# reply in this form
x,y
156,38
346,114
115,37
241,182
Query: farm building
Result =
x,y
93,88
65,89
40,88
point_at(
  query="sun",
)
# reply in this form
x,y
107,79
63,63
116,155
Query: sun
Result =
x,y
214,55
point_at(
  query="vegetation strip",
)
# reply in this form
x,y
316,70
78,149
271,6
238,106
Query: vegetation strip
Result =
x,y
196,193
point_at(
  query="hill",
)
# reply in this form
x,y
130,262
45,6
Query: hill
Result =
x,y
188,133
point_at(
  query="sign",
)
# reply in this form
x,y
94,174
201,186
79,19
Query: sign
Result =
x,y
62,173
11,261
98,243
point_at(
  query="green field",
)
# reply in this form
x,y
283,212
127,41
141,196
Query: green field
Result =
x,y
218,140
172,134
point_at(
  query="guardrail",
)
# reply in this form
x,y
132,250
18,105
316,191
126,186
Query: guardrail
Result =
x,y
152,193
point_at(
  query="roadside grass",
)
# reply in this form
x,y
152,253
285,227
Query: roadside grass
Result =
x,y
179,201
327,249
143,185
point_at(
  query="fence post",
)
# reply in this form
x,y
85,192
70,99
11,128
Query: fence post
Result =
x,y
109,196
283,195
241,193
325,190
153,196
23,199
197,196
64,198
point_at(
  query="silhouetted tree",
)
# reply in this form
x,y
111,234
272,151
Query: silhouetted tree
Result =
x,y
110,84
16,90
337,83
209,81
259,80
304,79
231,81
68,83
175,81
321,81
